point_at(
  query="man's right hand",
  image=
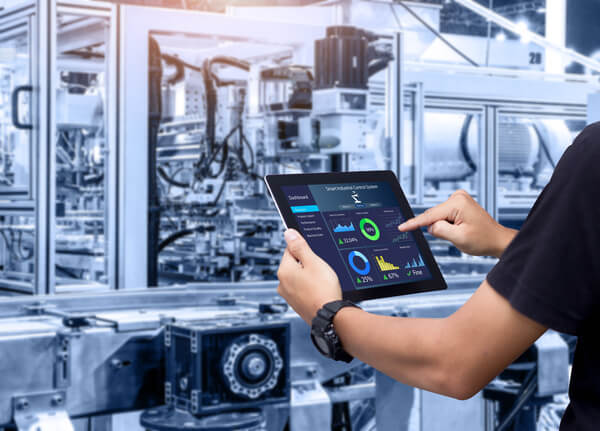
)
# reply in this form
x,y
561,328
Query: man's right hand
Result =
x,y
462,221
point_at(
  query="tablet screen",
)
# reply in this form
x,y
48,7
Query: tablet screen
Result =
x,y
354,228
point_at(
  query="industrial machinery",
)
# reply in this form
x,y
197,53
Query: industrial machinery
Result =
x,y
252,364
232,366
213,368
215,137
160,184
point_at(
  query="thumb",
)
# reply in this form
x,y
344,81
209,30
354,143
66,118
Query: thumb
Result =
x,y
444,230
298,247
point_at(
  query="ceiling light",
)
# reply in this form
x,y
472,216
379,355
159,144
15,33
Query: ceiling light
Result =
x,y
522,27
523,31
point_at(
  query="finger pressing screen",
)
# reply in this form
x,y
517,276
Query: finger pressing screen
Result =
x,y
438,212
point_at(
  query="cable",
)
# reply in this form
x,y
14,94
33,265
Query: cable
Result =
x,y
211,104
377,66
93,179
433,30
219,194
179,74
224,148
172,59
464,145
20,248
182,233
209,79
163,174
230,61
252,157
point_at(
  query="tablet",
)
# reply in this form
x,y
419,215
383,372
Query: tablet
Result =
x,y
350,219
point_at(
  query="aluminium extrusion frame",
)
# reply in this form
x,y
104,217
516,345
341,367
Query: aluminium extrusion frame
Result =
x,y
33,17
492,92
110,12
40,20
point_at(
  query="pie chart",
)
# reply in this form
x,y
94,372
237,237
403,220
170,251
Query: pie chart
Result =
x,y
363,266
369,229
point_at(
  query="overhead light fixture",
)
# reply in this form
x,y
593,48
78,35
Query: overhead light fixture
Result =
x,y
541,10
523,31
501,37
522,26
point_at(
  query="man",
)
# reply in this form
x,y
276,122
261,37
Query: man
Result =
x,y
548,276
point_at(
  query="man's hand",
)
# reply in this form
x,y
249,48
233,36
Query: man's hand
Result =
x,y
467,225
306,281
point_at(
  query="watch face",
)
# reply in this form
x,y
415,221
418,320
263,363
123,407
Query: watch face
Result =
x,y
321,344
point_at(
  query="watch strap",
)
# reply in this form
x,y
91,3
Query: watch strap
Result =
x,y
329,310
323,322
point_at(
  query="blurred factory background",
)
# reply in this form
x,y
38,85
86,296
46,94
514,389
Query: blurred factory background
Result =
x,y
138,249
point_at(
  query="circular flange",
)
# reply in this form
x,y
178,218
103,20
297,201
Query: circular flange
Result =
x,y
251,366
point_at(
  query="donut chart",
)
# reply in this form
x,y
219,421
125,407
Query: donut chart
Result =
x,y
367,223
363,258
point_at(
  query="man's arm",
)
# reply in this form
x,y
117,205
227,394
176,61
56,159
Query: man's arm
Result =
x,y
455,356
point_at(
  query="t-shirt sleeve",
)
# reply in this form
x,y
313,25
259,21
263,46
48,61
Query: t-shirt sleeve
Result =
x,y
551,270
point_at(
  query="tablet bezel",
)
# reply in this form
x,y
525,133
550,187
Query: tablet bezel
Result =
x,y
436,282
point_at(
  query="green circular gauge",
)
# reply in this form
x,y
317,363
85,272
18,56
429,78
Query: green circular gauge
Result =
x,y
371,236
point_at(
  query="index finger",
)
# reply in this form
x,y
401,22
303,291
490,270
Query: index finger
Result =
x,y
429,217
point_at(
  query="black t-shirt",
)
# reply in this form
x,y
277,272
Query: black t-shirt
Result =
x,y
551,270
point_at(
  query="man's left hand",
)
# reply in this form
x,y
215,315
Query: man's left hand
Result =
x,y
306,281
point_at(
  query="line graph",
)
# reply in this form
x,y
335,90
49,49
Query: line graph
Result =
x,y
344,228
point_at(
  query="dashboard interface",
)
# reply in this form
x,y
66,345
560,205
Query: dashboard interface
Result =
x,y
354,228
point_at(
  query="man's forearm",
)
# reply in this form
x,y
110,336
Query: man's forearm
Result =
x,y
409,350
454,356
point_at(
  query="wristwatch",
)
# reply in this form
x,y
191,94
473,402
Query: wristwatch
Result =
x,y
323,334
